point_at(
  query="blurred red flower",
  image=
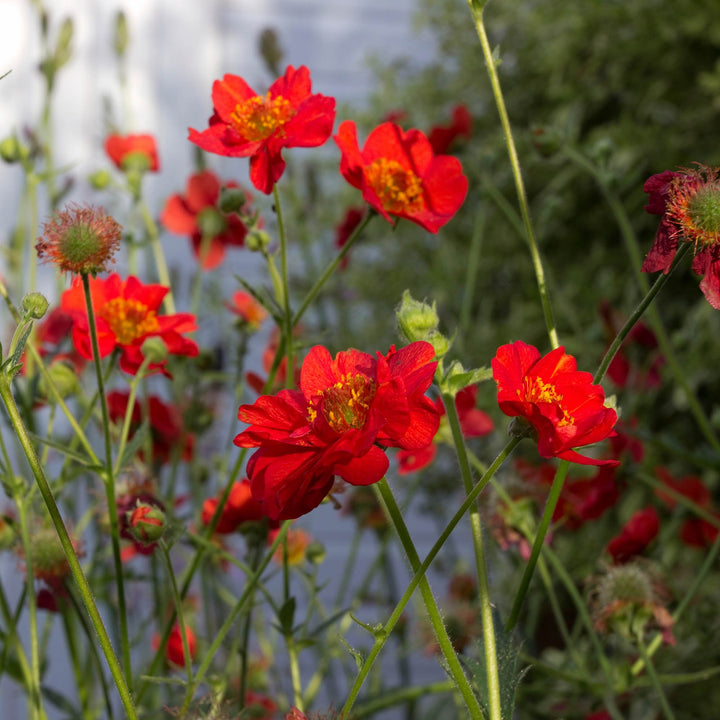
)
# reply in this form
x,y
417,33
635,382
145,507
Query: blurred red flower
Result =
x,y
442,137
124,149
246,124
166,425
126,315
196,213
345,228
688,203
560,402
398,174
347,409
240,508
174,652
637,533
250,312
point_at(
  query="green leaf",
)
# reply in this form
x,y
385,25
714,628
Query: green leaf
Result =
x,y
134,444
286,616
62,448
357,656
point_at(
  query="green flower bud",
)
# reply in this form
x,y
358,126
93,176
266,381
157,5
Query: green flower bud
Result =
x,y
211,222
99,179
315,552
154,349
232,200
35,305
63,377
417,320
146,523
12,150
121,37
257,240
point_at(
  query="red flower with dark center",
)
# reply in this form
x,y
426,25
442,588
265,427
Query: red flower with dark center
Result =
x,y
347,409
246,124
133,150
398,174
688,203
126,314
560,402
442,137
637,533
166,425
197,214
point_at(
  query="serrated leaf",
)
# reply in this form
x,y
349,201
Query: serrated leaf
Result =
x,y
357,656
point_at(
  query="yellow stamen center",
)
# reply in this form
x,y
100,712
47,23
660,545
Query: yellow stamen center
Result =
x,y
399,190
346,403
257,118
129,319
537,391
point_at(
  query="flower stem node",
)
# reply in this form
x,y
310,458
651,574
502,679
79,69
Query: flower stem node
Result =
x,y
35,305
146,523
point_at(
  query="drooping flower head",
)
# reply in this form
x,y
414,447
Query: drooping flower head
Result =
x,y
688,203
347,409
197,214
137,152
80,239
561,403
637,533
246,124
126,314
398,174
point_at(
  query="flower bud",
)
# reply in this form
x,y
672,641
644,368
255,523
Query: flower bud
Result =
x,y
12,150
63,51
63,377
257,240
120,38
99,179
35,305
417,320
146,523
211,222
232,199
154,350
315,553
8,536
48,557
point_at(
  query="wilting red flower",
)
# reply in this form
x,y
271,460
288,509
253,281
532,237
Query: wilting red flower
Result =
x,y
473,423
442,137
695,531
637,533
126,315
196,213
688,203
240,508
174,652
398,174
346,410
251,313
166,425
80,239
133,150
246,124
559,401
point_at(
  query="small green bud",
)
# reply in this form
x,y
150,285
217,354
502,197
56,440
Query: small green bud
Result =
x,y
121,37
257,240
211,222
35,305
12,150
63,377
99,179
8,536
154,350
146,523
232,200
417,320
63,51
315,552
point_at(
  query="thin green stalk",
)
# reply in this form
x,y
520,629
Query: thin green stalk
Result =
x,y
81,680
109,482
405,694
454,668
476,10
490,645
196,291
11,638
330,268
165,554
285,299
69,550
419,574
654,679
160,264
545,521
255,555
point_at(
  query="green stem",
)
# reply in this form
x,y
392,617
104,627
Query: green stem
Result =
x,y
330,268
405,694
285,299
109,482
160,264
70,554
490,645
491,65
550,505
454,667
165,554
419,574
654,679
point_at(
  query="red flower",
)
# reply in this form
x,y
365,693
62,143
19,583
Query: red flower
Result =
x,y
250,312
124,150
689,205
246,124
197,214
174,652
240,508
347,409
126,315
259,706
398,174
473,423
637,533
560,402
166,425
442,137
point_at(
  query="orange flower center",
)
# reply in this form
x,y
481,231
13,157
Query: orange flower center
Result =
x,y
345,404
695,206
538,391
129,319
399,190
257,118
